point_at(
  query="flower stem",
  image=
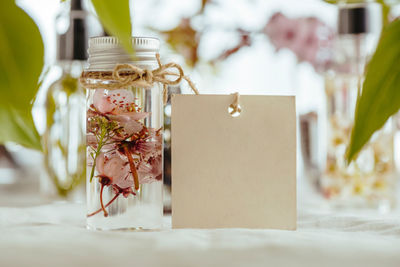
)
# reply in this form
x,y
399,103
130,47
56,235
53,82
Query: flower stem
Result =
x,y
101,201
99,147
132,167
108,204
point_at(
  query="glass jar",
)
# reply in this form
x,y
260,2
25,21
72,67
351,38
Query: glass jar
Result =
x,y
369,181
124,134
64,137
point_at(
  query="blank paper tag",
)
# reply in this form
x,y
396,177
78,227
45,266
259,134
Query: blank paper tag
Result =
x,y
233,171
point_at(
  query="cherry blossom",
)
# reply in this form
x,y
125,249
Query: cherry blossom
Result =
x,y
309,38
129,121
124,153
113,168
112,101
151,170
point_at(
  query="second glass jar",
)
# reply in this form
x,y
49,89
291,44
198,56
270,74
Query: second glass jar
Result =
x,y
370,180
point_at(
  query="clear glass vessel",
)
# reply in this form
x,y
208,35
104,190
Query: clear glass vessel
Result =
x,y
124,134
369,181
64,137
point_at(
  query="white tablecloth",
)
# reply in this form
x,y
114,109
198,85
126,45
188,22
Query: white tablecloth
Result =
x,y
55,235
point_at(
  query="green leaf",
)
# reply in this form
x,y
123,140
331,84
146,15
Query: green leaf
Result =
x,y
116,19
21,62
386,2
346,1
385,11
18,127
380,97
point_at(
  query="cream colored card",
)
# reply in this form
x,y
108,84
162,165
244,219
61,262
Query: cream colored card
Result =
x,y
233,171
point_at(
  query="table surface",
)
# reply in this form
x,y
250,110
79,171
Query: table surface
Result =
x,y
37,234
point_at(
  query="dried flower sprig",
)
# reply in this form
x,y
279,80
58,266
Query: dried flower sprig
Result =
x,y
103,130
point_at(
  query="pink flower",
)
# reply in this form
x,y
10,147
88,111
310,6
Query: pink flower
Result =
x,y
151,146
114,168
144,149
129,121
118,106
309,38
281,30
151,170
107,101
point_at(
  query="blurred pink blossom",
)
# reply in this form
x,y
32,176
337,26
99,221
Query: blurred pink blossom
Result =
x,y
309,38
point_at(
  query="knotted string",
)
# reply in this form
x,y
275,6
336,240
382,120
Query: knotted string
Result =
x,y
125,75
235,104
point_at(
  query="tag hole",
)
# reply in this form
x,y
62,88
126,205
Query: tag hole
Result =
x,y
234,113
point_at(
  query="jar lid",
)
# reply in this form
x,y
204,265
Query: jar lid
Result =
x,y
106,51
110,42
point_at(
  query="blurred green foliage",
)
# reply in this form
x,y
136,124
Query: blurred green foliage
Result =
x,y
380,96
21,62
22,59
116,19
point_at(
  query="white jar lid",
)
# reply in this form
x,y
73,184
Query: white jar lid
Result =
x,y
105,52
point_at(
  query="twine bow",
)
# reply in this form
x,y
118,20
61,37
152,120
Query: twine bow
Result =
x,y
125,75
